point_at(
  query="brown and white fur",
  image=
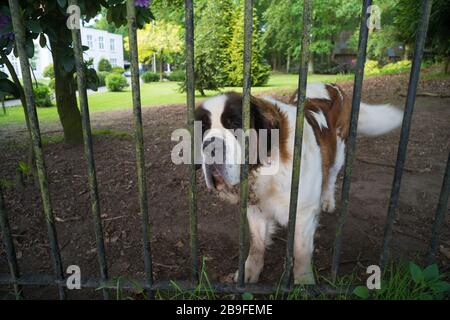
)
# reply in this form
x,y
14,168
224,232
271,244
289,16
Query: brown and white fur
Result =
x,y
326,128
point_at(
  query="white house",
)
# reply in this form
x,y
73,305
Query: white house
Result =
x,y
102,44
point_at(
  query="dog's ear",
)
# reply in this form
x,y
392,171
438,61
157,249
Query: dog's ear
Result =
x,y
263,115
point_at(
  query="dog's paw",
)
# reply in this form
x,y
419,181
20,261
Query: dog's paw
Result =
x,y
305,279
328,204
252,273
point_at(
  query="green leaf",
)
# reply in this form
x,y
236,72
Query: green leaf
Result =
x,y
425,296
68,63
431,272
441,286
361,292
8,86
62,3
3,75
29,48
247,296
416,273
34,26
42,40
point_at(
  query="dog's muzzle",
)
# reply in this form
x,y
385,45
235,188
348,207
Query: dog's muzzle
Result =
x,y
219,161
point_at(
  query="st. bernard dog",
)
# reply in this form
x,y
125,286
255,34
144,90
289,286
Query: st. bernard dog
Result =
x,y
326,128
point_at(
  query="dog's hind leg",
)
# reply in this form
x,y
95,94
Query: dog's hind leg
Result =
x,y
327,200
305,228
261,229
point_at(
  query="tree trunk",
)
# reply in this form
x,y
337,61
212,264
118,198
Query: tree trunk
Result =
x,y
66,100
288,61
161,67
311,64
447,65
12,72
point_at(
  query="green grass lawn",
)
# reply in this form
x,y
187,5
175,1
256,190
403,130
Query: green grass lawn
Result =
x,y
158,93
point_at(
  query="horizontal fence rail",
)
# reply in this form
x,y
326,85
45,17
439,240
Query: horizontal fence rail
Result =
x,y
17,280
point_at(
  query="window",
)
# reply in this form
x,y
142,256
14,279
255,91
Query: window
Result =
x,y
101,45
90,44
114,62
112,45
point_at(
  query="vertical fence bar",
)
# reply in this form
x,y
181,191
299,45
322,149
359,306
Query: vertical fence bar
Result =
x,y
190,96
404,136
139,141
19,31
9,246
247,84
89,153
351,142
303,76
440,214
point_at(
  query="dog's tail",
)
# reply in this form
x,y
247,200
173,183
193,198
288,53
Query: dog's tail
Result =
x,y
375,120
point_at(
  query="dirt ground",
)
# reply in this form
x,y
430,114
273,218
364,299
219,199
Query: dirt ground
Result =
x,y
218,221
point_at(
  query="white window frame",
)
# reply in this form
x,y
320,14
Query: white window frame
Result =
x,y
101,43
112,45
90,41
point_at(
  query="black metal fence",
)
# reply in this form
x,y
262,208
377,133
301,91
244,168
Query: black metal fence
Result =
x,y
17,280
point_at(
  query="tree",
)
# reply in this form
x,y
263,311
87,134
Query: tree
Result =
x,y
282,21
47,19
213,32
235,68
104,65
162,38
407,16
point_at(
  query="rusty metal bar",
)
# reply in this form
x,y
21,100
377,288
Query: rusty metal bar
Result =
x,y
89,152
9,246
19,31
247,84
351,142
303,76
406,125
190,96
440,214
139,141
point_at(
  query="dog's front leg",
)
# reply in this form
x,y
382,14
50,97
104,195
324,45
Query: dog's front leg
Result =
x,y
261,230
305,228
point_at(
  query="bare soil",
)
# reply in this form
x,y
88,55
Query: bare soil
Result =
x,y
218,221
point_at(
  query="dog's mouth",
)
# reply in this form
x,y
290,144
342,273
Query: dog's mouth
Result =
x,y
217,178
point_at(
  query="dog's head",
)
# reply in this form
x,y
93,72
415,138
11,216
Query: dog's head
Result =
x,y
221,148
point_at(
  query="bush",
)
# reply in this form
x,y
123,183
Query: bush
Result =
x,y
42,96
371,68
149,76
49,72
102,77
104,65
178,76
118,70
396,67
51,84
116,82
